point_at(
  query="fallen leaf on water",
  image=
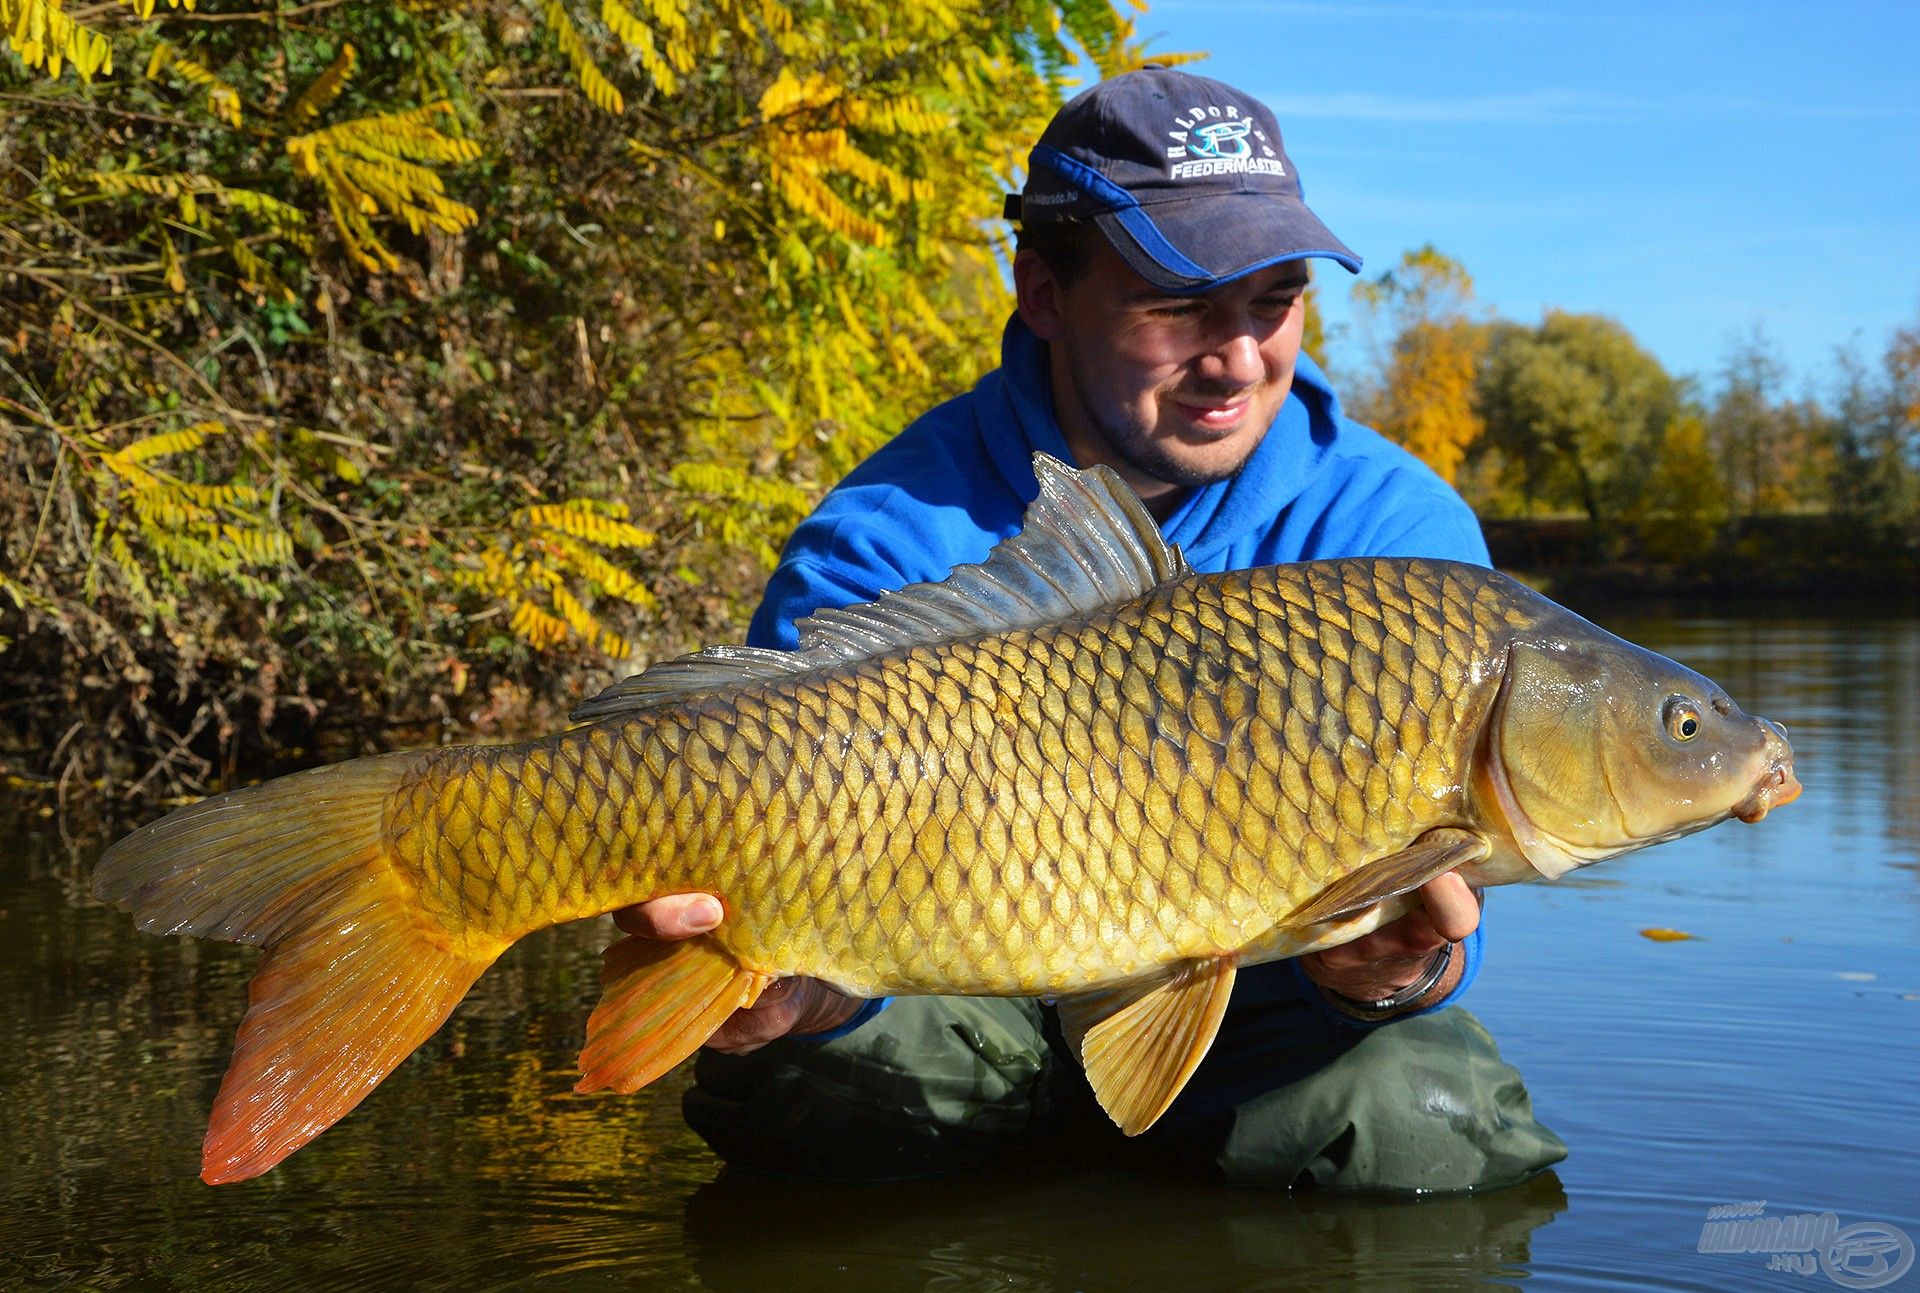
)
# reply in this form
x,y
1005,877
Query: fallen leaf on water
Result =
x,y
1666,935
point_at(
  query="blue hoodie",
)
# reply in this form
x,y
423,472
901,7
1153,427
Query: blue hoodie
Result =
x,y
958,480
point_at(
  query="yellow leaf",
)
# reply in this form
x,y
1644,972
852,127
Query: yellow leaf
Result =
x,y
1666,935
325,88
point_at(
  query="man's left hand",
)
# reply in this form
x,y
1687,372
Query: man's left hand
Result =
x,y
1375,966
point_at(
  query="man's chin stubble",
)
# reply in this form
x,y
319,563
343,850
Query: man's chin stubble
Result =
x,y
1152,461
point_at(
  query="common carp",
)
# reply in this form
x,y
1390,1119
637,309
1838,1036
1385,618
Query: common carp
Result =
x,y
1077,769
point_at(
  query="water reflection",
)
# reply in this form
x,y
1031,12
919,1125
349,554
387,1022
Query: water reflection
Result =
x,y
1091,1231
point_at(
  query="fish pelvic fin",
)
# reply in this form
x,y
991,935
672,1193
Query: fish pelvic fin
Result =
x,y
1140,1042
659,1003
1431,855
354,978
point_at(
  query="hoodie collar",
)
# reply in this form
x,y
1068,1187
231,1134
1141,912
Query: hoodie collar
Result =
x,y
1210,520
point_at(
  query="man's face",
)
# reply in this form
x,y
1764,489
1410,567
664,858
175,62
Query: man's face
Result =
x,y
1171,391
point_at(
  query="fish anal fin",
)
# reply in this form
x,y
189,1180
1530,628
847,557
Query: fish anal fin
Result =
x,y
332,1009
659,1003
1140,1042
1432,854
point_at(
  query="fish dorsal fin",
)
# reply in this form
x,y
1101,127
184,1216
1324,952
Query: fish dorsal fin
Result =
x,y
1085,543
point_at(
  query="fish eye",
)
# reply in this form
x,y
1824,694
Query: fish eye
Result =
x,y
1682,718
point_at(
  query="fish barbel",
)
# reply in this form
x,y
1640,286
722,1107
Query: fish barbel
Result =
x,y
1077,769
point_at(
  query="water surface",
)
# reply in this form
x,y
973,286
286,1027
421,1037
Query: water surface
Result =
x,y
1770,1057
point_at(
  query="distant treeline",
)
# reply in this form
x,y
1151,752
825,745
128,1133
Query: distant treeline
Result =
x,y
1808,557
1729,482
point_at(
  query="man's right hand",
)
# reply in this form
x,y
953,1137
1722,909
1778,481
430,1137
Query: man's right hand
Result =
x,y
787,1006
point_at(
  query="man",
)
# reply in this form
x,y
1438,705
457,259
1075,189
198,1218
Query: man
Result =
x,y
1159,279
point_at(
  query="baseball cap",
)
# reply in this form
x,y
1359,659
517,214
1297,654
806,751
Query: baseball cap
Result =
x,y
1185,176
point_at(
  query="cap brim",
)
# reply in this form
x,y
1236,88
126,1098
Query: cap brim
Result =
x,y
1195,244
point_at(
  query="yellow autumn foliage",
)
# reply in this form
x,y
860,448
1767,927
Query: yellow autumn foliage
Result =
x,y
1424,396
388,354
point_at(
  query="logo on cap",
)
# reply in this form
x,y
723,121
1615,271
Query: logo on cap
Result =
x,y
1217,140
1222,139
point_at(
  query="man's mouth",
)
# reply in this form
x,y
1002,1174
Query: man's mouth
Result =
x,y
1213,415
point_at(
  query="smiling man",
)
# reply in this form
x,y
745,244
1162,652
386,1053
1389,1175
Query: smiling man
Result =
x,y
1161,267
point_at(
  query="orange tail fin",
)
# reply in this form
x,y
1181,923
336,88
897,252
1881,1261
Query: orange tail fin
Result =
x,y
659,1003
354,977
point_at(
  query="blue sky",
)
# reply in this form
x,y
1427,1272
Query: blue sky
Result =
x,y
1693,169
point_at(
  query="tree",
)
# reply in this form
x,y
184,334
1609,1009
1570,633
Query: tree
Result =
x,y
1875,438
1424,398
1750,428
1578,411
1682,508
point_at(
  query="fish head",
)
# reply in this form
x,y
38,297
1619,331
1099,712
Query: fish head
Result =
x,y
1597,747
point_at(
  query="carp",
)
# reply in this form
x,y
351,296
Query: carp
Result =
x,y
1077,769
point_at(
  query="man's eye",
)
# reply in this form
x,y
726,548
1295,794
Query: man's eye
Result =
x,y
1177,309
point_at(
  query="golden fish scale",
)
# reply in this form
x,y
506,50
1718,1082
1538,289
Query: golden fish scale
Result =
x,y
1029,811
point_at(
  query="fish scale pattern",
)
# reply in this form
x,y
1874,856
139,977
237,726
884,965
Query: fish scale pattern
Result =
x,y
1029,811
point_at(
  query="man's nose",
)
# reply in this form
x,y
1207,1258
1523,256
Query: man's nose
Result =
x,y
1234,359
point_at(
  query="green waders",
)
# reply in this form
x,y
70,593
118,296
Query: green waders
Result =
x,y
1286,1097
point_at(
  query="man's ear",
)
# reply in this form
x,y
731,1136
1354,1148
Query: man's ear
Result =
x,y
1037,294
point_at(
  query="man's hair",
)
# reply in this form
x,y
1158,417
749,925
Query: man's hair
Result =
x,y
1066,246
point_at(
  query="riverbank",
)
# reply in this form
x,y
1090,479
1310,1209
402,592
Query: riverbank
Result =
x,y
1812,558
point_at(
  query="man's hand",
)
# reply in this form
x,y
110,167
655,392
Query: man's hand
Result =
x,y
1394,956
787,1006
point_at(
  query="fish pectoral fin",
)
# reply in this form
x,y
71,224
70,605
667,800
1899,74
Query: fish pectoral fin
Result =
x,y
659,1002
1431,855
1141,1042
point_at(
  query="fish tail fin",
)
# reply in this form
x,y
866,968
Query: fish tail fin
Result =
x,y
355,976
659,1003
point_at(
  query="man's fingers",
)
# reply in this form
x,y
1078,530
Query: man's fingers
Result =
x,y
1408,939
1449,912
1451,906
796,1005
770,1018
679,915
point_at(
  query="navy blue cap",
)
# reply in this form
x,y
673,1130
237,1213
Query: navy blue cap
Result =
x,y
1185,176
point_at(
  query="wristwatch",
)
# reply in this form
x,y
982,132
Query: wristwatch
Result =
x,y
1385,1006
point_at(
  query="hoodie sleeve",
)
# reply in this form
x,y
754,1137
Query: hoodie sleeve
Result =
x,y
799,587
1441,527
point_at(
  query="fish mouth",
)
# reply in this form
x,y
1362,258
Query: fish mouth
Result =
x,y
1777,787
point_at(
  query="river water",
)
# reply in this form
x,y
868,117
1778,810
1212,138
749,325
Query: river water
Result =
x,y
1770,1059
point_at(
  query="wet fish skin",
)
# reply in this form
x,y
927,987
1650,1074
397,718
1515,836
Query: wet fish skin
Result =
x,y
1042,810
